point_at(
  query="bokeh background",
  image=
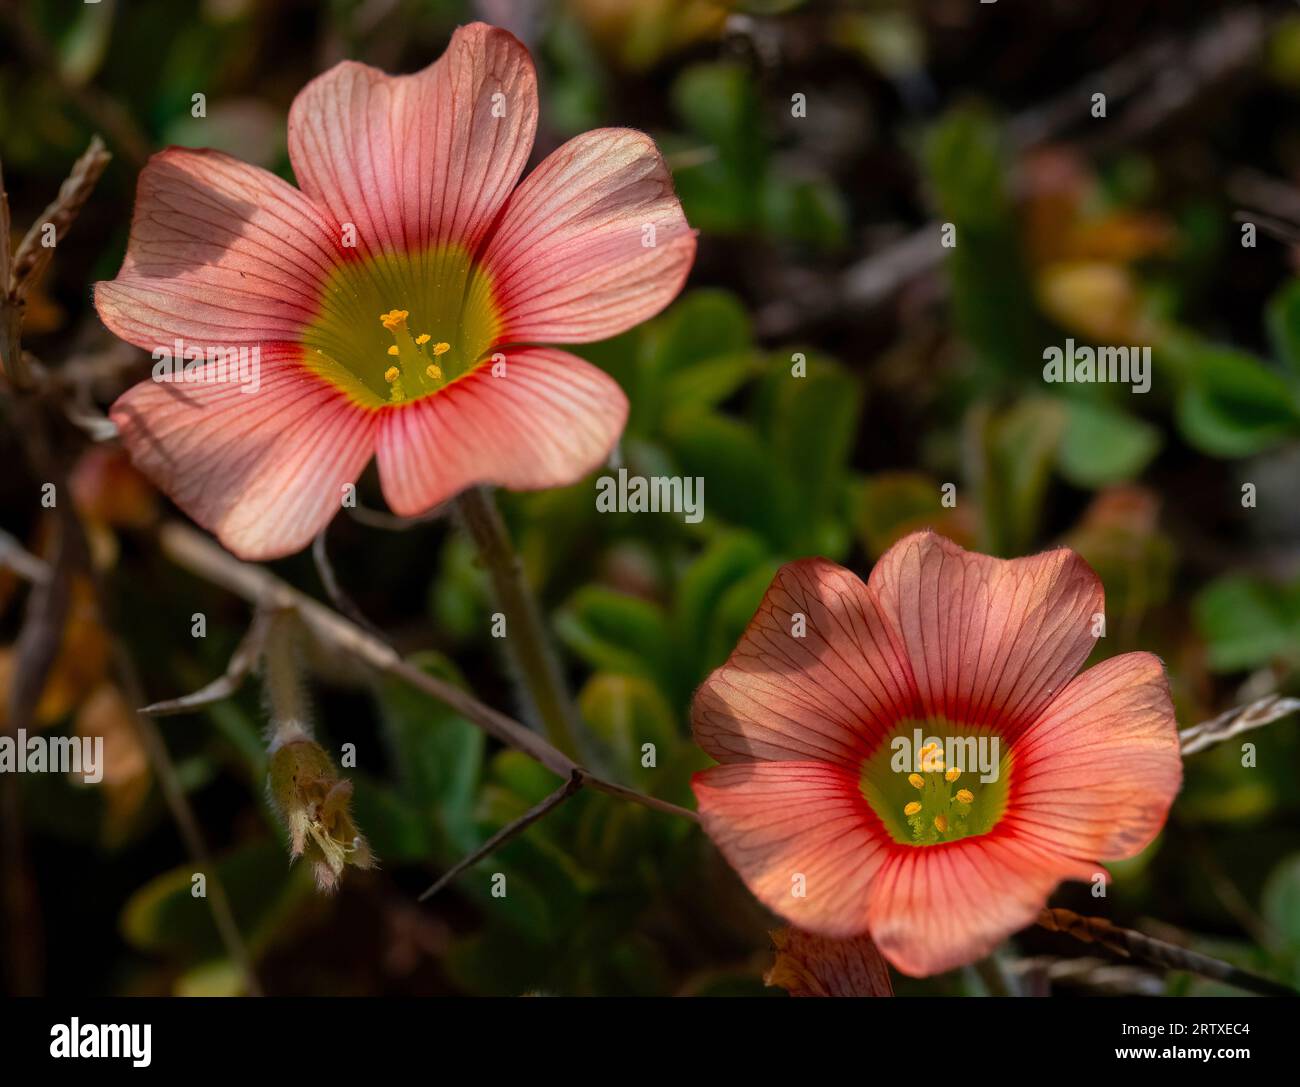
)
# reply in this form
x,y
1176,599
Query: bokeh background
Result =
x,y
818,235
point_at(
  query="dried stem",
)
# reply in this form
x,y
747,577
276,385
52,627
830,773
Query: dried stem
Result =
x,y
1136,945
204,558
33,254
1235,721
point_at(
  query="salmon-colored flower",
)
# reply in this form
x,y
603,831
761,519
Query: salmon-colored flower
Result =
x,y
915,757
388,306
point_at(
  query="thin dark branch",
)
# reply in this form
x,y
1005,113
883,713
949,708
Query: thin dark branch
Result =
x,y
242,662
509,831
338,634
22,562
340,599
1136,945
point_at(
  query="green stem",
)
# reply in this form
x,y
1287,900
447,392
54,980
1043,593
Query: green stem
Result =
x,y
996,980
527,643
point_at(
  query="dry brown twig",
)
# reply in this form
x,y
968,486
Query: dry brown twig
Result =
x,y
1235,721
339,635
1136,945
47,606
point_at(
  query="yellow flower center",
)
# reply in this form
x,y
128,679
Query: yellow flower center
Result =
x,y
954,785
437,321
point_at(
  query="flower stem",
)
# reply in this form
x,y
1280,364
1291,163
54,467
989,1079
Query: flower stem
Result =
x,y
527,643
287,701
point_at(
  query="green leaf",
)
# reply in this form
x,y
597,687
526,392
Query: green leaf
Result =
x,y
1016,450
810,424
1102,445
1283,318
720,105
702,325
728,559
437,755
707,384
741,484
966,165
396,828
615,632
1248,622
810,211
1281,900
892,504
625,712
164,916
737,608
1233,405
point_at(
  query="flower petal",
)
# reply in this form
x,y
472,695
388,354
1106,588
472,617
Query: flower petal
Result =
x,y
934,908
788,827
811,965
264,470
826,693
990,640
1096,774
220,253
419,159
574,259
547,421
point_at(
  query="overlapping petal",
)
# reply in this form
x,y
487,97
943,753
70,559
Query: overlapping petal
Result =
x,y
990,641
938,907
801,836
264,470
422,159
1097,772
220,253
543,419
593,242
818,674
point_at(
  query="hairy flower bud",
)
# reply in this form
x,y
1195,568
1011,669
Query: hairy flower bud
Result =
x,y
314,802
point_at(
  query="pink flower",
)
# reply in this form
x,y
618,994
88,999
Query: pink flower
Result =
x,y
388,307
915,757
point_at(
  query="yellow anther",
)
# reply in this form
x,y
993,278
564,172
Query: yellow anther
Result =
x,y
916,781
952,775
941,824
440,349
434,371
392,374
966,796
423,338
394,319
912,808
394,350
